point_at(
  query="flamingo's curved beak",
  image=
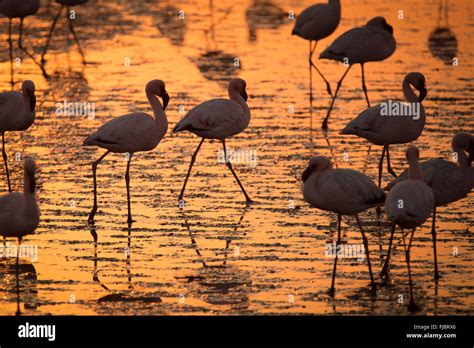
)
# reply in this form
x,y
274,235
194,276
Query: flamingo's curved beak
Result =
x,y
244,95
307,173
423,93
166,99
32,97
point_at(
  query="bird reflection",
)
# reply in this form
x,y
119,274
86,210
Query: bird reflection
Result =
x,y
219,284
263,14
215,64
25,288
442,41
171,25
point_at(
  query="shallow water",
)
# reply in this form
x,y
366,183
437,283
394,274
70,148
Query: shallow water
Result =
x,y
215,256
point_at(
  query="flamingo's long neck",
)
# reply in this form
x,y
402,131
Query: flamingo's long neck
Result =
x,y
414,170
235,96
158,112
463,160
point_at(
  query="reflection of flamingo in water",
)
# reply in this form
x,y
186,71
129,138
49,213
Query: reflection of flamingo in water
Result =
x,y
220,284
442,41
215,64
263,14
119,296
171,25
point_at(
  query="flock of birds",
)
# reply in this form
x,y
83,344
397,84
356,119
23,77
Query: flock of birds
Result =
x,y
412,197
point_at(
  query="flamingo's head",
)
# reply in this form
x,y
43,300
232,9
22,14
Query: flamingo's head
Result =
x,y
381,23
239,86
464,142
316,164
417,80
412,153
157,88
28,89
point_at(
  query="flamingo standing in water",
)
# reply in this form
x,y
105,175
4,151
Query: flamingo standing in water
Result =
x,y
370,43
379,126
409,205
68,4
19,9
344,192
218,119
131,133
449,182
315,23
19,212
17,113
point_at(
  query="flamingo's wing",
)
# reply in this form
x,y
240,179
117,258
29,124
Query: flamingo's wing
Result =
x,y
210,115
310,14
366,121
126,129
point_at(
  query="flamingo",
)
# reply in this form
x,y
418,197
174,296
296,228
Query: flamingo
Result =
x,y
19,212
19,9
372,42
315,23
449,182
341,191
384,130
218,119
68,4
409,205
131,133
17,113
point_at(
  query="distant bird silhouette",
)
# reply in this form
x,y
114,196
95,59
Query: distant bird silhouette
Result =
x,y
449,182
442,41
218,119
17,113
409,205
131,133
19,9
379,126
370,43
316,23
68,4
341,191
19,212
263,14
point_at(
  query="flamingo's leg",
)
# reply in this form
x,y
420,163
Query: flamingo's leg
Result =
x,y
366,246
10,44
229,165
94,172
311,64
389,167
338,242
20,45
193,159
384,273
433,234
325,122
71,28
381,165
45,49
127,183
5,159
364,87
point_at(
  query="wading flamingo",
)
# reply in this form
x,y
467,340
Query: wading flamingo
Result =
x,y
19,212
19,9
131,133
315,23
409,205
370,43
218,119
68,4
17,113
449,182
344,192
388,123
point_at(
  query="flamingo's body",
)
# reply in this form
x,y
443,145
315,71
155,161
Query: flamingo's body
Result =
x,y
19,9
449,182
218,119
408,205
341,191
19,212
17,113
68,4
132,133
369,43
315,23
385,130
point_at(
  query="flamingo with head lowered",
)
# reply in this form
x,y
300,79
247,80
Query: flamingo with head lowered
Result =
x,y
131,133
370,43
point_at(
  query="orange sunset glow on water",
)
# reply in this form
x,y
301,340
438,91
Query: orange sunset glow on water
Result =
x,y
213,254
